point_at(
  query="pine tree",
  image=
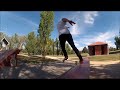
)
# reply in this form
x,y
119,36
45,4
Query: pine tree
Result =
x,y
85,50
14,41
31,43
45,29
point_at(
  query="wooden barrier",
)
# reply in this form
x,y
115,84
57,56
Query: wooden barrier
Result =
x,y
80,71
7,56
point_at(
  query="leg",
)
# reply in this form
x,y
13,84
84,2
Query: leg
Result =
x,y
62,40
70,41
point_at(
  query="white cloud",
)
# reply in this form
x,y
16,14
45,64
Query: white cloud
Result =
x,y
89,17
111,44
74,30
107,37
76,43
82,19
80,48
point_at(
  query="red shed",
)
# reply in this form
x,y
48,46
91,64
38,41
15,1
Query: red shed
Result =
x,y
98,48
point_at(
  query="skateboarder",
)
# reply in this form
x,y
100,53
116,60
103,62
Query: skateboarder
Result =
x,y
64,35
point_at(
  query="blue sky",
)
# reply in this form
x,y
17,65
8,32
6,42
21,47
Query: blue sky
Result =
x,y
91,26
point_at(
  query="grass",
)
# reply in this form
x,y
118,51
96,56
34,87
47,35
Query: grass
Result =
x,y
114,52
109,57
34,59
105,57
71,55
37,59
95,58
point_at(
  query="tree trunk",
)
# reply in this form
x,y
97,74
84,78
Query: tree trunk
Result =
x,y
53,48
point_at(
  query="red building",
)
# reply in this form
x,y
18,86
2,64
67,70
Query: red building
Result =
x,y
98,48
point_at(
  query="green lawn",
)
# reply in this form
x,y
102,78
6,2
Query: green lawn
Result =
x,y
34,59
114,52
74,57
105,57
71,55
95,58
109,57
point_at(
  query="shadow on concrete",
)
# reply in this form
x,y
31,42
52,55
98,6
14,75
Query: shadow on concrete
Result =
x,y
48,69
111,71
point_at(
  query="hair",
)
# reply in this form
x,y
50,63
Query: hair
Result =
x,y
63,19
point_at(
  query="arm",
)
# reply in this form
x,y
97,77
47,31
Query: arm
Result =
x,y
66,20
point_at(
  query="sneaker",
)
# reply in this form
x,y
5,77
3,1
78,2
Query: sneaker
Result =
x,y
65,59
81,61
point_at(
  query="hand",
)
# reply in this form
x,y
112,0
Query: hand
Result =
x,y
71,22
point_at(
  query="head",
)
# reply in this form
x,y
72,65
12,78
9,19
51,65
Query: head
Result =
x,y
64,19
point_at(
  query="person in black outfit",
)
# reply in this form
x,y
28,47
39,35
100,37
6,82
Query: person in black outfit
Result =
x,y
65,35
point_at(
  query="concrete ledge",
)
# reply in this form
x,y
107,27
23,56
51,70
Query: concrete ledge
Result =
x,y
78,72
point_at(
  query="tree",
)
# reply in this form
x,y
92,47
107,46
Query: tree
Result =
x,y
117,42
112,49
72,51
11,42
38,48
57,46
45,29
49,47
85,50
58,49
14,41
31,43
68,49
2,35
53,46
22,41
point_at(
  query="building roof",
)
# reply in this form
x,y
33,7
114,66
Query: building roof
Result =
x,y
97,43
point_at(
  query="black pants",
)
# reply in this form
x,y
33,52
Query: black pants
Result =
x,y
68,37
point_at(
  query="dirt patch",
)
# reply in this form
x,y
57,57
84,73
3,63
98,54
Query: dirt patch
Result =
x,y
40,70
105,70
